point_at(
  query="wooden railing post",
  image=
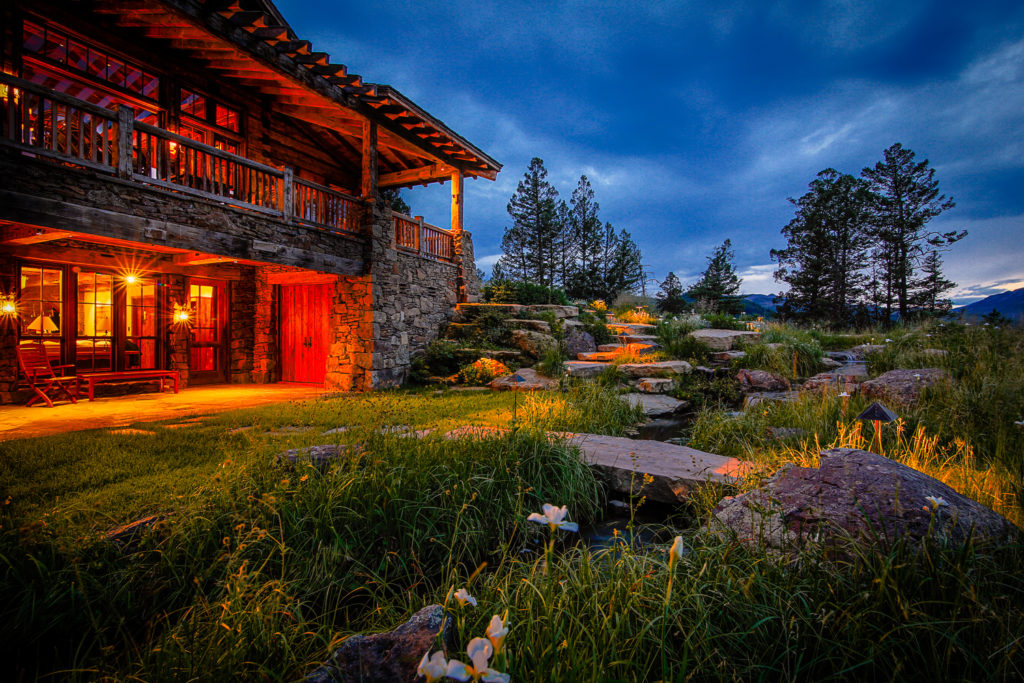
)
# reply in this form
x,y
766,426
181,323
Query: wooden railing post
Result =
x,y
420,235
125,135
288,192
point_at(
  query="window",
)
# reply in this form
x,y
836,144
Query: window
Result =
x,y
94,341
226,117
40,303
201,108
193,104
140,326
56,46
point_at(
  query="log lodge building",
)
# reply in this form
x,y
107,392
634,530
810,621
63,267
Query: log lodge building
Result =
x,y
188,185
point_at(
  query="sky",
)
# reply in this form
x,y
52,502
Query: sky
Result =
x,y
696,121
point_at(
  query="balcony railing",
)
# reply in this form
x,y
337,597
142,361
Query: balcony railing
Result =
x,y
49,124
412,234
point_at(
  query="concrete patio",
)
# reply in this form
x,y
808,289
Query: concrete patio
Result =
x,y
19,422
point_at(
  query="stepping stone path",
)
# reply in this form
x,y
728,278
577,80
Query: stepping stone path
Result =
x,y
675,471
724,340
585,369
655,385
665,368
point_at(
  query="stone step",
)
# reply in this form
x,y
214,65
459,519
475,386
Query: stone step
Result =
x,y
639,338
631,328
626,348
655,405
599,356
585,369
724,340
727,356
665,368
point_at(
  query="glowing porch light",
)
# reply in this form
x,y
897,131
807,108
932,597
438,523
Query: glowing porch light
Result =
x,y
181,314
130,279
8,306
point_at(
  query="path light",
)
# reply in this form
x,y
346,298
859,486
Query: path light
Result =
x,y
877,413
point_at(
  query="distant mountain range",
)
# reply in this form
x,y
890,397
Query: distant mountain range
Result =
x,y
760,304
1009,304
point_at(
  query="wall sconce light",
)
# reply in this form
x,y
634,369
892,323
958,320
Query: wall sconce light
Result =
x,y
182,315
8,305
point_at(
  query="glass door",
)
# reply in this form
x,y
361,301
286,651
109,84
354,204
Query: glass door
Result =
x,y
208,303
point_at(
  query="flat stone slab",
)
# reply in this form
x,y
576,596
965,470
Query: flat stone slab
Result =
x,y
526,379
561,312
724,340
660,369
599,356
655,405
470,311
655,385
585,369
676,470
639,338
759,397
632,328
727,356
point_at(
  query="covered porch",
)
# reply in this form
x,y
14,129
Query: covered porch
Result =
x,y
19,422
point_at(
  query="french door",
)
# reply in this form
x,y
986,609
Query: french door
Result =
x,y
208,351
305,323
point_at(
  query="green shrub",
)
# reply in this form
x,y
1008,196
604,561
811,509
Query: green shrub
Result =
x,y
482,371
724,321
556,324
703,392
526,293
595,326
440,360
552,362
676,342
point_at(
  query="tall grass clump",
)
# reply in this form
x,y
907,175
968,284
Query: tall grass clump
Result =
x,y
586,407
676,342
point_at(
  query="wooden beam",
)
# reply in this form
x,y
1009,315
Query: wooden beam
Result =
x,y
301,277
23,234
457,230
198,259
415,176
368,178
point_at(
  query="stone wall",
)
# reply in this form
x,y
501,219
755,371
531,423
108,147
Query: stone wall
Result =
x,y
265,328
242,328
8,334
350,354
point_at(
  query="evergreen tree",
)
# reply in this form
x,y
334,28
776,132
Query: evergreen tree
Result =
x,y
824,260
717,289
928,291
585,230
904,197
392,197
529,243
624,270
670,296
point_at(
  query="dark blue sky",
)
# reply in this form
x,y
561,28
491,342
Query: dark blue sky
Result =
x,y
696,120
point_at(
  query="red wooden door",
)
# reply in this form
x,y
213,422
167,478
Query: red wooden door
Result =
x,y
305,323
208,301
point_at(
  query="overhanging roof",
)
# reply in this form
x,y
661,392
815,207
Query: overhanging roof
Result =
x,y
249,42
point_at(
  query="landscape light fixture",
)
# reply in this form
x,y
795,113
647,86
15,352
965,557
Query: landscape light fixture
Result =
x,y
877,413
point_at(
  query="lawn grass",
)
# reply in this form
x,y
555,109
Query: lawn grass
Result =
x,y
258,571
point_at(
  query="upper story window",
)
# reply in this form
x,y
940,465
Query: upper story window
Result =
x,y
199,106
57,46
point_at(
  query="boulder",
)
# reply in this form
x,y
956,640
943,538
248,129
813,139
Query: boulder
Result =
x,y
828,381
830,363
724,340
934,353
655,405
728,356
903,386
585,369
579,341
561,312
655,385
841,356
526,379
318,456
758,397
385,657
761,380
533,343
665,368
860,495
864,350
534,325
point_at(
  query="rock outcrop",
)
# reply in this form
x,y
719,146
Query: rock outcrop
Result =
x,y
578,341
857,495
903,386
724,340
761,380
525,379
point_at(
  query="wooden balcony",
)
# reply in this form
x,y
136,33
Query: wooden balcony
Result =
x,y
51,125
413,235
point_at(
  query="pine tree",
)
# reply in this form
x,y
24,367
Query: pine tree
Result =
x,y
584,227
624,270
670,296
717,289
904,197
528,245
928,291
824,260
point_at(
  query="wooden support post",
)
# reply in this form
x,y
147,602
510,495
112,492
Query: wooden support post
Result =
x,y
457,228
125,133
420,235
369,173
288,194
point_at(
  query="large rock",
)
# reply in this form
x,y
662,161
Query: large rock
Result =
x,y
860,495
579,341
385,657
533,343
761,380
903,386
665,368
585,369
655,405
728,356
466,312
830,381
724,340
526,379
864,350
318,456
655,385
561,312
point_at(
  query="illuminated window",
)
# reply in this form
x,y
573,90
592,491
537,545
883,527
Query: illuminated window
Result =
x,y
40,303
227,117
193,104
140,326
94,341
55,45
204,300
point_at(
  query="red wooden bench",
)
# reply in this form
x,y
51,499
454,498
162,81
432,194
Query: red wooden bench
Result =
x,y
94,378
40,375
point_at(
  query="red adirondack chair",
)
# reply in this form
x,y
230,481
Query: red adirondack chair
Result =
x,y
40,375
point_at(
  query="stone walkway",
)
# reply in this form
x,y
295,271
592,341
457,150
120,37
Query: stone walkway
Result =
x,y
19,422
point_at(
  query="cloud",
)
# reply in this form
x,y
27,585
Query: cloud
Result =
x,y
759,279
488,261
